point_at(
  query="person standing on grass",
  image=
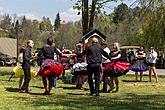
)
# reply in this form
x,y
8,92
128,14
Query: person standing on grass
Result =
x,y
50,68
151,60
105,61
94,58
27,60
116,68
78,67
115,56
19,65
139,65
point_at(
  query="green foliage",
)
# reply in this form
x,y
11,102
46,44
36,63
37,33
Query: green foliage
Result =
x,y
6,22
46,25
143,24
66,97
154,28
120,13
57,22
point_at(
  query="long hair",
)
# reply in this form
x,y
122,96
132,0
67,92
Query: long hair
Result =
x,y
21,50
117,46
50,41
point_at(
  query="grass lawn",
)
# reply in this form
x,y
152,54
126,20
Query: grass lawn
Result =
x,y
66,97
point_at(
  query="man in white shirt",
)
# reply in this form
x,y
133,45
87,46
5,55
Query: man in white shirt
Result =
x,y
105,61
151,59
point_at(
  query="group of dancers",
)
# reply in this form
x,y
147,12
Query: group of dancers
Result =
x,y
93,60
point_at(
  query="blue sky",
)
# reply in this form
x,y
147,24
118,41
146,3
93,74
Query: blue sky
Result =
x,y
36,9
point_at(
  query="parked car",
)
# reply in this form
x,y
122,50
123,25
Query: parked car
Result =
x,y
7,61
160,63
128,53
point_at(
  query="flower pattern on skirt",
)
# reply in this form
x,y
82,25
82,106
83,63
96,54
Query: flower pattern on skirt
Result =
x,y
51,68
138,66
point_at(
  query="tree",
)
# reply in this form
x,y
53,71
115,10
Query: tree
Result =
x,y
153,23
120,13
46,25
89,12
57,22
6,22
26,27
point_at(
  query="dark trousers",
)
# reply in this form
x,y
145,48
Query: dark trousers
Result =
x,y
50,81
27,78
104,78
104,82
94,69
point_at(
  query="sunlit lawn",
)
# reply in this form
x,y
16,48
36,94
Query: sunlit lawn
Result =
x,y
66,97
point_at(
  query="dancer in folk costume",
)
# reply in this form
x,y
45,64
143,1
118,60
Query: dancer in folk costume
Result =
x,y
27,61
80,67
94,58
105,61
151,61
139,65
116,68
50,67
18,69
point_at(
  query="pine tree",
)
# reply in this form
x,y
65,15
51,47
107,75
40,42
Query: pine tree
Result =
x,y
17,26
57,22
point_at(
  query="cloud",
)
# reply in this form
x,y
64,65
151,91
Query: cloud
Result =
x,y
2,12
1,8
70,15
29,16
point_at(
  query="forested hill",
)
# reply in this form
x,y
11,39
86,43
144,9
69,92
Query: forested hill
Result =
x,y
137,25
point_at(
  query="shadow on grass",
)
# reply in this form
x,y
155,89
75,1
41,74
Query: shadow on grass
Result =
x,y
4,73
8,80
75,94
31,93
11,89
40,87
128,102
133,81
72,88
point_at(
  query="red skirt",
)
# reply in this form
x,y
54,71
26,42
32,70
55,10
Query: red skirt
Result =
x,y
53,69
116,69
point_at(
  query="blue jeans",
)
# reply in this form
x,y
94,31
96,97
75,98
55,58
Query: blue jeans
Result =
x,y
54,82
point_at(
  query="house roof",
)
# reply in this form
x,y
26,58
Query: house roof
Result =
x,y
8,46
94,32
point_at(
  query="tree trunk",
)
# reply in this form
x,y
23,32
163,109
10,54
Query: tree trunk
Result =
x,y
92,14
85,16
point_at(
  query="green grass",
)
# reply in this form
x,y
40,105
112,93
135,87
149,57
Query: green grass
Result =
x,y
66,97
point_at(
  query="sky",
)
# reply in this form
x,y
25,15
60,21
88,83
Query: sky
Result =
x,y
37,9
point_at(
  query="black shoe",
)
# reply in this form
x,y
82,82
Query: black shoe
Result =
x,y
97,94
91,93
46,93
103,90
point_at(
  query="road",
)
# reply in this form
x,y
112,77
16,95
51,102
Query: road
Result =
x,y
160,72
